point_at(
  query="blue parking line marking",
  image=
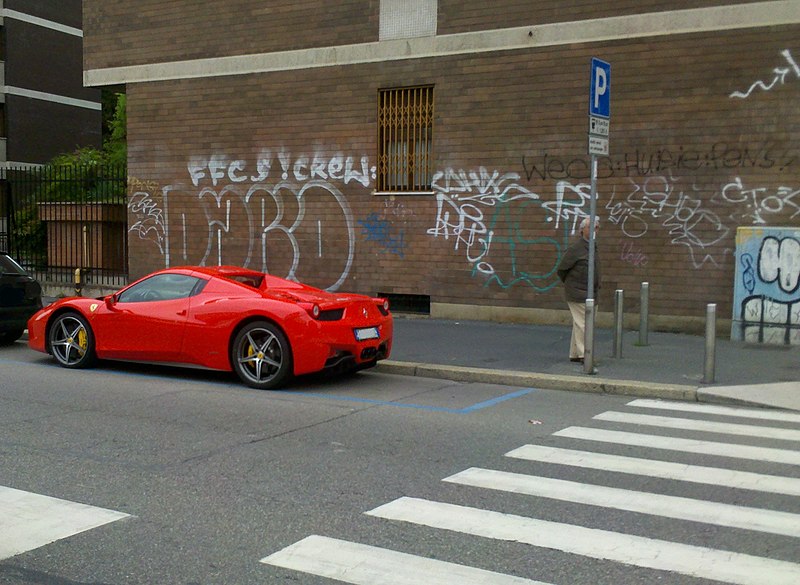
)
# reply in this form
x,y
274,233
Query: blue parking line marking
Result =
x,y
466,410
498,400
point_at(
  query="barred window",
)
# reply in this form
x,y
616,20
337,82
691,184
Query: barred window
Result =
x,y
405,139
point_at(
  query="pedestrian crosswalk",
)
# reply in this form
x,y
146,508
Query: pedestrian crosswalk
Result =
x,y
633,501
602,544
689,424
29,520
717,439
718,476
697,447
366,565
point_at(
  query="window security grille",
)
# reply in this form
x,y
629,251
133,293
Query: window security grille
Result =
x,y
405,139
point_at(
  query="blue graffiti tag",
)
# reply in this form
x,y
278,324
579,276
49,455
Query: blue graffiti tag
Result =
x,y
380,231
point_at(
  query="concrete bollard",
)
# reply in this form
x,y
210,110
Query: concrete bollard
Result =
x,y
618,314
644,309
711,343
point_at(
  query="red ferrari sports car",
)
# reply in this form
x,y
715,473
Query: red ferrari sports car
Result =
x,y
264,328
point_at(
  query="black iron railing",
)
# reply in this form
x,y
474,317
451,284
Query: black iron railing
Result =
x,y
56,219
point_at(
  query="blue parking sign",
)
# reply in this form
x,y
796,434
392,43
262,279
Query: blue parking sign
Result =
x,y
600,89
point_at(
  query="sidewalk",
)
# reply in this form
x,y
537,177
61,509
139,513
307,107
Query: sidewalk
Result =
x,y
670,366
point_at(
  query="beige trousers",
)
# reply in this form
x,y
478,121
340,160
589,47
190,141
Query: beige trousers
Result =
x,y
578,311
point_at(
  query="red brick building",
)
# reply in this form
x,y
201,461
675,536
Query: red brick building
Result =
x,y
439,148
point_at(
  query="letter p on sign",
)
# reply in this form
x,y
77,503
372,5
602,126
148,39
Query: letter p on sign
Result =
x,y
600,89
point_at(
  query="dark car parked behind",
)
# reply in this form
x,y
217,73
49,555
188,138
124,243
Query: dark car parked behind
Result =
x,y
20,297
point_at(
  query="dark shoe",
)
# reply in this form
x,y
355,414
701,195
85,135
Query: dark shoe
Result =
x,y
576,360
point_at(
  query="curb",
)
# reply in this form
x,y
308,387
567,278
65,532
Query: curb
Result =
x,y
543,381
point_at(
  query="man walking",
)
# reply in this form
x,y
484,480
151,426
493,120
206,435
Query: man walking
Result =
x,y
573,270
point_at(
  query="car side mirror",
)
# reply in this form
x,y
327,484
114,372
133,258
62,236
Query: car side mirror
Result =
x,y
110,301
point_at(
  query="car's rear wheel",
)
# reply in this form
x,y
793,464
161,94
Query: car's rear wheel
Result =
x,y
9,337
261,356
72,341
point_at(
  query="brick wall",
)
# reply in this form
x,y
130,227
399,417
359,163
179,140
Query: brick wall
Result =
x,y
120,32
276,170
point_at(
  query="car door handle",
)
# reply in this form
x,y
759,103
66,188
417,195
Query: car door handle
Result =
x,y
182,313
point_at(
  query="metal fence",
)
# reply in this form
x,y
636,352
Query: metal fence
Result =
x,y
56,219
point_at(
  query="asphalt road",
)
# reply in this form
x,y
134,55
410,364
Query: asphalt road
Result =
x,y
212,478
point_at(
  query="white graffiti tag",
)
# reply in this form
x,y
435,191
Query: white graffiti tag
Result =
x,y
464,200
758,203
303,168
780,77
284,226
571,204
677,210
779,262
144,207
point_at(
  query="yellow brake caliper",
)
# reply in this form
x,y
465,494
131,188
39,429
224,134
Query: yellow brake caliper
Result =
x,y
251,351
83,340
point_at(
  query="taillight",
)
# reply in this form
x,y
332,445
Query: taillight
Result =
x,y
384,307
312,310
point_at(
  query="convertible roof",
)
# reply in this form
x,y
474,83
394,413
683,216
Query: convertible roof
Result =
x,y
222,271
237,273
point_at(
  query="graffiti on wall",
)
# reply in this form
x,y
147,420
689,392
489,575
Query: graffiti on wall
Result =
x,y
678,209
631,255
767,286
640,163
790,70
148,214
219,169
480,211
379,230
282,204
757,205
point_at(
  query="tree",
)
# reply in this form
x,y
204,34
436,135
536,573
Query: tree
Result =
x,y
84,175
115,138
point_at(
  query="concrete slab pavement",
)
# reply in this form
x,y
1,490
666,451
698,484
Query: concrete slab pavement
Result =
x,y
670,366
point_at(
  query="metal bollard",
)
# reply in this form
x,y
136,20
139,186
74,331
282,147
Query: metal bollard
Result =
x,y
78,282
644,308
618,300
711,343
588,339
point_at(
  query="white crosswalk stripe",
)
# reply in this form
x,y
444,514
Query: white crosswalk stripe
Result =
x,y
632,501
368,565
362,564
28,520
756,413
718,476
689,424
685,559
684,445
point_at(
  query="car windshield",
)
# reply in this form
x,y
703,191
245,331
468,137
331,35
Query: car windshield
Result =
x,y
7,265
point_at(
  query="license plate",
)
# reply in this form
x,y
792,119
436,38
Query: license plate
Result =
x,y
367,333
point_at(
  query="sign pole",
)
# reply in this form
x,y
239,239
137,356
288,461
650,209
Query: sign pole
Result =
x,y
599,123
588,351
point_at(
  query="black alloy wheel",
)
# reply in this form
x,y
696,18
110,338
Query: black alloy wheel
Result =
x,y
71,341
261,356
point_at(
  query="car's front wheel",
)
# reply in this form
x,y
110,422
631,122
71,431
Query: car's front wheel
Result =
x,y
71,341
261,356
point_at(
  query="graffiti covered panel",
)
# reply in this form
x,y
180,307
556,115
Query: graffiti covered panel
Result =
x,y
766,304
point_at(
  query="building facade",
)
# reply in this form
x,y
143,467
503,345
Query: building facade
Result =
x,y
437,150
46,110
